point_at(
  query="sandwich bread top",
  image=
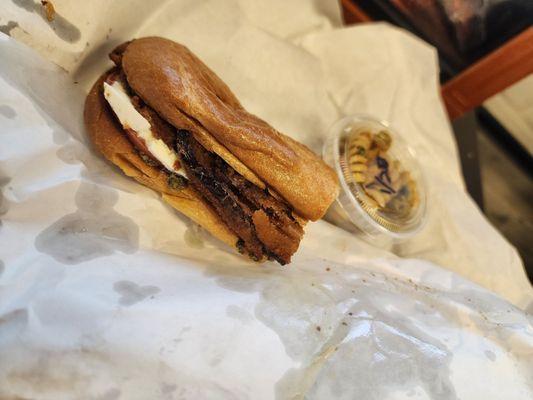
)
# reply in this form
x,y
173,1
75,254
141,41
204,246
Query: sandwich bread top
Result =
x,y
175,83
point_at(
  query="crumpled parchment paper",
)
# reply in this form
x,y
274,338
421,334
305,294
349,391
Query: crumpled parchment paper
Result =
x,y
107,293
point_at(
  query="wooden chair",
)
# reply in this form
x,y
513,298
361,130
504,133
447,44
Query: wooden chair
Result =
x,y
490,75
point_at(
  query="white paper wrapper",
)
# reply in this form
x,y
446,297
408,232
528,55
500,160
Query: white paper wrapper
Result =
x,y
106,293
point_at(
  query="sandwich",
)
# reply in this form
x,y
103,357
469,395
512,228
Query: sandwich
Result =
x,y
166,120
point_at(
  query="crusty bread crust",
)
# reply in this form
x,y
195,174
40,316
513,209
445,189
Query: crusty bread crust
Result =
x,y
109,139
186,93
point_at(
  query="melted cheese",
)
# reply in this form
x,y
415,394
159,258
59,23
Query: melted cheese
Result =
x,y
130,118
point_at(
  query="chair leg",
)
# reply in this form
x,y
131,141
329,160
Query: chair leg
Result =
x,y
352,13
465,130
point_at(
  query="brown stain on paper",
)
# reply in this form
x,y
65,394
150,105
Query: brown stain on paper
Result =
x,y
94,230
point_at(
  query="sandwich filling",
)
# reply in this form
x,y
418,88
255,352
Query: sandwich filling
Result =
x,y
264,224
133,121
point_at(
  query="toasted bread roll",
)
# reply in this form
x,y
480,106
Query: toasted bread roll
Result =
x,y
166,120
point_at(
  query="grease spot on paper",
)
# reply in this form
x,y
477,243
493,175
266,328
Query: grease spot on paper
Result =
x,y
72,153
239,313
131,293
13,322
8,27
6,110
94,230
4,204
217,359
111,394
193,236
46,373
167,388
490,355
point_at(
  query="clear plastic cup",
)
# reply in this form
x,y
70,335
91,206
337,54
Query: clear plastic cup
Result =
x,y
387,203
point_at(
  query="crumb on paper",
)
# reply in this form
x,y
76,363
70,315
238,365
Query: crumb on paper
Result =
x,y
49,10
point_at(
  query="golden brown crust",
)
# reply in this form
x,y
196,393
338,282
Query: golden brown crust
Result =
x,y
173,81
283,243
108,137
